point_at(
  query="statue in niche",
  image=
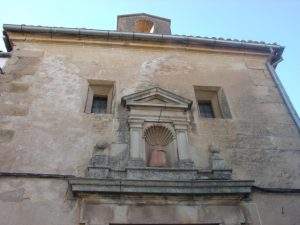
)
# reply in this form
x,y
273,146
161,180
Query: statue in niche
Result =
x,y
157,139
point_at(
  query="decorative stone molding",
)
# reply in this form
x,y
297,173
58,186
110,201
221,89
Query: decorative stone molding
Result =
x,y
185,164
188,187
183,180
163,98
152,122
165,125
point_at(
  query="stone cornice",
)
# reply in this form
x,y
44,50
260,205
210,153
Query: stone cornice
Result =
x,y
170,100
191,187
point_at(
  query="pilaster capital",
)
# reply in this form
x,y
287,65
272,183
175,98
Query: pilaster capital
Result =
x,y
181,126
135,123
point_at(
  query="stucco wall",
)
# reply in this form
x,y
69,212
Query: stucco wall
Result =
x,y
35,202
44,129
277,208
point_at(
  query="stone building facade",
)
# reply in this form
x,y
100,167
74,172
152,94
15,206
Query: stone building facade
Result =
x,y
139,126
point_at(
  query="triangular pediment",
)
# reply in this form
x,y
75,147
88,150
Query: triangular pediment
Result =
x,y
156,97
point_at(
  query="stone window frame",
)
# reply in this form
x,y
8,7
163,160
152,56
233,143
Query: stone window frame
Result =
x,y
102,88
216,96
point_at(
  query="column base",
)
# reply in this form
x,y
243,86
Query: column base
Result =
x,y
185,164
136,162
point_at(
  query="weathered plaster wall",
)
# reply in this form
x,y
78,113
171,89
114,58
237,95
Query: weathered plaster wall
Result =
x,y
36,202
44,129
277,208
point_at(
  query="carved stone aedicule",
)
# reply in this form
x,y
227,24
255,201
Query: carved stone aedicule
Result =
x,y
158,122
159,147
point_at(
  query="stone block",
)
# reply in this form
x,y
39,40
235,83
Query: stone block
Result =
x,y
222,174
6,135
160,174
185,164
258,64
23,66
135,162
29,53
19,87
271,164
151,214
266,128
266,142
99,214
259,77
97,172
13,110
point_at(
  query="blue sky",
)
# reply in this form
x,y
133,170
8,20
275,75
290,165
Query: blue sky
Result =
x,y
267,20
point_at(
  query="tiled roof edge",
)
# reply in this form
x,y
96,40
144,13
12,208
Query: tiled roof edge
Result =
x,y
179,39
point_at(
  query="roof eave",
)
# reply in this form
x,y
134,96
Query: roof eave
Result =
x,y
177,39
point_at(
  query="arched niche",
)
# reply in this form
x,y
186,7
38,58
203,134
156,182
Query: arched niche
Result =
x,y
144,26
160,145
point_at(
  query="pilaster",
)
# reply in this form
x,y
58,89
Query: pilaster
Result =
x,y
184,157
137,142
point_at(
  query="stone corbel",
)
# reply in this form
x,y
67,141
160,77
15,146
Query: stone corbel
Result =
x,y
219,167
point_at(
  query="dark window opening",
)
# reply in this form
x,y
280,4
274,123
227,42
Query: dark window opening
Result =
x,y
206,109
99,105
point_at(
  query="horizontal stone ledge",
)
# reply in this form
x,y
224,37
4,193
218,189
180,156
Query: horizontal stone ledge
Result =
x,y
153,173
160,169
188,183
195,187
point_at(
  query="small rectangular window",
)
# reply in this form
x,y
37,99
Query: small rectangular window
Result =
x,y
206,109
100,97
212,102
99,105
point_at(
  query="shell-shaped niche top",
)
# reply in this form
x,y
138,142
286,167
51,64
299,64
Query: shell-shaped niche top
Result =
x,y
158,135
